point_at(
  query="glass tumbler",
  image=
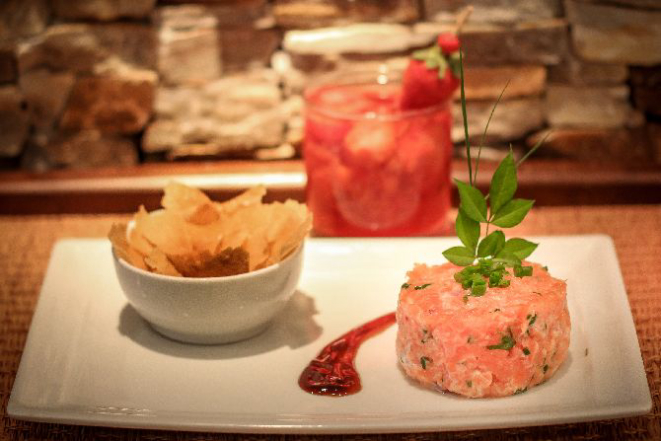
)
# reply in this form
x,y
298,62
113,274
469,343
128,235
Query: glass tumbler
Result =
x,y
372,168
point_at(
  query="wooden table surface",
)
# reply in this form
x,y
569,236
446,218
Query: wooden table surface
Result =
x,y
26,242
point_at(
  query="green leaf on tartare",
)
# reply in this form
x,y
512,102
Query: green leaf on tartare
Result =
x,y
492,244
521,248
503,183
512,213
468,230
461,256
473,202
507,257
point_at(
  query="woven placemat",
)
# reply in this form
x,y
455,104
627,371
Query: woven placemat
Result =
x,y
26,242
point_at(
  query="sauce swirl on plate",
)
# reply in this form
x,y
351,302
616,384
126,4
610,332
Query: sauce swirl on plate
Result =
x,y
333,372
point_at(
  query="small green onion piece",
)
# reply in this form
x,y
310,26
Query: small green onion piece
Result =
x,y
522,271
526,351
423,286
495,278
424,361
478,290
406,285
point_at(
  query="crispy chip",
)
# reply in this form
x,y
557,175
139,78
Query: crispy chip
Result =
x,y
159,263
123,249
180,197
252,196
136,234
193,236
191,203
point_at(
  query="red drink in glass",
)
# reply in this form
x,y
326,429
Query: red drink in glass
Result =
x,y
373,169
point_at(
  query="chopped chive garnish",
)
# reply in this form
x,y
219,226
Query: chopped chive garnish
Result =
x,y
522,271
526,351
478,290
506,342
406,285
424,361
531,319
423,286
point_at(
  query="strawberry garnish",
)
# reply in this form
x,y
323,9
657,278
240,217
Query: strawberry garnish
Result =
x,y
448,42
432,75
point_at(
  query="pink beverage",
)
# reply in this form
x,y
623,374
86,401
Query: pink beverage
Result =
x,y
373,169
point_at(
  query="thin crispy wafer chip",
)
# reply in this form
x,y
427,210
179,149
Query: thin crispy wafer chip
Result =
x,y
193,236
122,248
159,263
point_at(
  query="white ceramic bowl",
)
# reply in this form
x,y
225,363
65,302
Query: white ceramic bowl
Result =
x,y
211,310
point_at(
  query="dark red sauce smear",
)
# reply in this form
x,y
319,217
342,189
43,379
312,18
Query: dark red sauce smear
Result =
x,y
332,372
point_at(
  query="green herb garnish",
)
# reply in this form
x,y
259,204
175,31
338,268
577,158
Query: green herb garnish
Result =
x,y
424,361
506,342
406,285
423,286
526,351
522,271
489,257
531,319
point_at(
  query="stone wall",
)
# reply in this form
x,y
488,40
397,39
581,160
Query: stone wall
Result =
x,y
87,83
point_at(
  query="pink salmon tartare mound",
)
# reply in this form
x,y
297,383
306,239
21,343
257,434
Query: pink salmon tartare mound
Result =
x,y
499,344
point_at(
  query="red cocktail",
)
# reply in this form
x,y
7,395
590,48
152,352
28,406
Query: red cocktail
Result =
x,y
374,169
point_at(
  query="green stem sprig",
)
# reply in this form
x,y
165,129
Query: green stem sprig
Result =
x,y
485,259
465,116
486,129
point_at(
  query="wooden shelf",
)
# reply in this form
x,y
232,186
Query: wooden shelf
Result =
x,y
122,190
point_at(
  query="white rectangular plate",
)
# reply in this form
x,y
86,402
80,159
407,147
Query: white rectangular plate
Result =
x,y
90,359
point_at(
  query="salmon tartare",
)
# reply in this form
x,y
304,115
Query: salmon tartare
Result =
x,y
498,344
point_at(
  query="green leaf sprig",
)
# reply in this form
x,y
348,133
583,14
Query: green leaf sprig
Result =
x,y
486,260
